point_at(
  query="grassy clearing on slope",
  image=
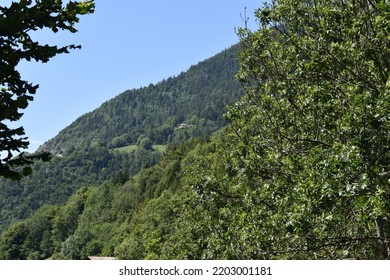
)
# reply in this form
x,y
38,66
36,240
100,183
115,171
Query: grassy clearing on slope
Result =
x,y
130,148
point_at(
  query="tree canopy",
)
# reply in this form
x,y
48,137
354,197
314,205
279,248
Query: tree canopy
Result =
x,y
311,137
17,22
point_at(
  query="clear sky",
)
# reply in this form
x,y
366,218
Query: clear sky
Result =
x,y
126,44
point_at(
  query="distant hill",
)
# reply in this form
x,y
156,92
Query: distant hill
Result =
x,y
195,101
126,134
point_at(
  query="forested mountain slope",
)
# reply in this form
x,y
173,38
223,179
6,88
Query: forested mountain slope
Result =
x,y
85,154
197,98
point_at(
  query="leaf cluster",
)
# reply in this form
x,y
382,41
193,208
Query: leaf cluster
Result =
x,y
18,21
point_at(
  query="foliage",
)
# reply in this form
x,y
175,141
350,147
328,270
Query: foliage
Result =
x,y
17,22
311,137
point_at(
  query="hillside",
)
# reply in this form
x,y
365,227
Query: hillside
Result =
x,y
194,100
126,134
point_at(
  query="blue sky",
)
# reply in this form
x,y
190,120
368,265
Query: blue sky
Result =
x,y
126,44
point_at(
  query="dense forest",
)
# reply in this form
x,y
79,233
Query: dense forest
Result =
x,y
196,98
301,170
126,134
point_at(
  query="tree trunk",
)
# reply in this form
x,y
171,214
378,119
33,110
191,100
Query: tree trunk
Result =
x,y
384,250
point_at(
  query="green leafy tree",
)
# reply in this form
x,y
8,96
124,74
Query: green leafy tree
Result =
x,y
11,246
17,22
310,145
144,143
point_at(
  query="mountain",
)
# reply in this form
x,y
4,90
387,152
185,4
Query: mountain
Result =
x,y
174,110
126,134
